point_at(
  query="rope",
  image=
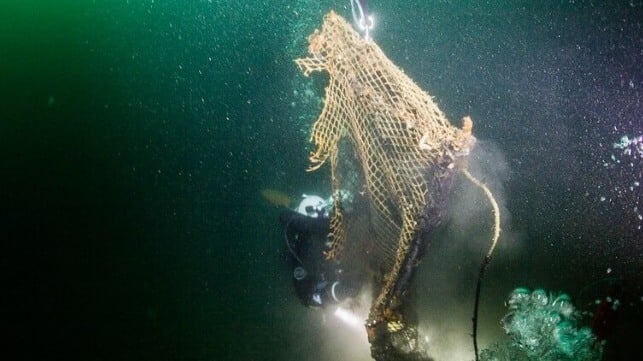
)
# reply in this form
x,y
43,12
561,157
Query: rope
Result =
x,y
487,258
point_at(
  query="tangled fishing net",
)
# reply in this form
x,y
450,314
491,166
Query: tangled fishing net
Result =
x,y
386,139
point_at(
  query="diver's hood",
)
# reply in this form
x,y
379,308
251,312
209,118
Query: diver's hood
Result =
x,y
312,206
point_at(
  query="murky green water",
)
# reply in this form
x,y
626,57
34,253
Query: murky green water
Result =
x,y
135,137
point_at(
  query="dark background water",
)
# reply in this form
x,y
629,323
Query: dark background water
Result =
x,y
135,138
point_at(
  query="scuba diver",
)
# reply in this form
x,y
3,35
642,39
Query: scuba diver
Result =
x,y
318,282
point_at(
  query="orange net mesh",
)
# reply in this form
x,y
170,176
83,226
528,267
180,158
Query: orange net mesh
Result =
x,y
397,140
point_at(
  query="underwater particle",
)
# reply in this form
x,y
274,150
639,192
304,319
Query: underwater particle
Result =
x,y
625,167
51,100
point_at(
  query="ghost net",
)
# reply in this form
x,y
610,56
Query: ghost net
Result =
x,y
387,140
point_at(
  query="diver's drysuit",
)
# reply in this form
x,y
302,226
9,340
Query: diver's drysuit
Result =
x,y
318,282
